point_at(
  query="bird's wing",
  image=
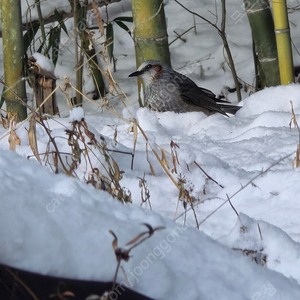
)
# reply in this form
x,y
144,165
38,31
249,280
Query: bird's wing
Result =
x,y
192,94
198,97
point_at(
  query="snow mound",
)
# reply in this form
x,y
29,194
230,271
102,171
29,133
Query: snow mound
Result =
x,y
56,225
258,237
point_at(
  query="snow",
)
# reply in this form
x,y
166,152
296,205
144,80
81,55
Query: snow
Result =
x,y
76,114
44,62
59,225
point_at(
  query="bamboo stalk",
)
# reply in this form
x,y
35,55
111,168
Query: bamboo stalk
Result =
x,y
283,40
150,33
262,26
13,54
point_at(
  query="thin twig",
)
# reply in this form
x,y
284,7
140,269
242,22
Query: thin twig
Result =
x,y
193,209
209,177
22,283
242,188
222,34
259,231
116,274
232,206
234,209
180,35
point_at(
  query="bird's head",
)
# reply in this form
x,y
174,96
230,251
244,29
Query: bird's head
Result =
x,y
149,71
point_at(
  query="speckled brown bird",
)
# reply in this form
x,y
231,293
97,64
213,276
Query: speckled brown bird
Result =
x,y
168,90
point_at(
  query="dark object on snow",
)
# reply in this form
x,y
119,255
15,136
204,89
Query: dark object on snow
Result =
x,y
22,285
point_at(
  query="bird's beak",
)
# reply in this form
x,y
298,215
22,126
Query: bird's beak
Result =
x,y
135,74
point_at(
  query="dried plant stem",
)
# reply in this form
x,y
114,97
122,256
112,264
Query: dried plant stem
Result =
x,y
156,155
176,210
294,120
116,274
193,209
32,294
209,177
56,148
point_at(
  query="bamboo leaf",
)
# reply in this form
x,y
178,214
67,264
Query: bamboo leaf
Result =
x,y
68,293
123,26
40,48
116,172
54,41
32,137
13,138
110,40
115,241
134,240
2,97
29,35
60,20
81,20
11,141
151,231
124,19
135,135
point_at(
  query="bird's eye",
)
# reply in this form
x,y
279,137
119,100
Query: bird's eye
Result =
x,y
149,66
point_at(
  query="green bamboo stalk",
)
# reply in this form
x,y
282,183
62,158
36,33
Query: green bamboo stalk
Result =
x,y
283,40
150,32
262,26
13,54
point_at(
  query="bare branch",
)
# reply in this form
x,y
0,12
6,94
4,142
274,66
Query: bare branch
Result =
x,y
222,34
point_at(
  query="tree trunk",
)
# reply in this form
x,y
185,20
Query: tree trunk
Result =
x,y
150,32
262,26
283,40
13,56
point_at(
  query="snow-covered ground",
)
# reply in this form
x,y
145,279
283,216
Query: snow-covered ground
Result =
x,y
55,224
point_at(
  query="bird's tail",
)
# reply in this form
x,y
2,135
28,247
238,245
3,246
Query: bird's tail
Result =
x,y
228,108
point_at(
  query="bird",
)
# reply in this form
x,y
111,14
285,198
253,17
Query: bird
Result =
x,y
167,90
